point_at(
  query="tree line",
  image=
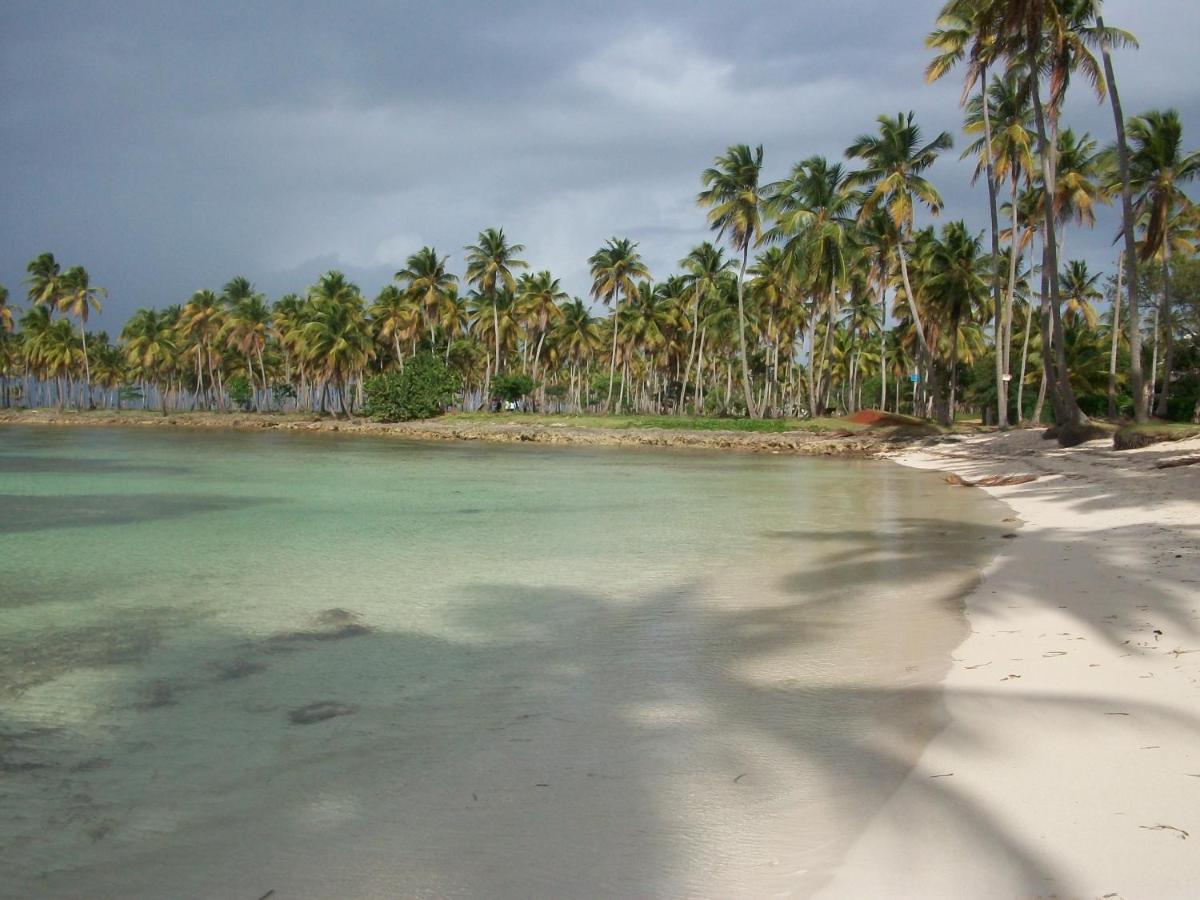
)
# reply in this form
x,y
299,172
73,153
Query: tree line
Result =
x,y
818,291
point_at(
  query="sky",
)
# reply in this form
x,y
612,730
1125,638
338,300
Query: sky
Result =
x,y
168,146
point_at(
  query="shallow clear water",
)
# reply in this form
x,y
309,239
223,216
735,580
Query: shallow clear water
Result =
x,y
555,672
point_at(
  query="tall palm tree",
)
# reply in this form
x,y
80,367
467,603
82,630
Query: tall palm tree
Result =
x,y
247,327
150,346
959,36
77,297
427,280
43,280
538,296
1158,170
894,161
396,318
702,269
815,211
6,312
338,340
956,285
616,268
735,203
1114,38
200,322
490,264
1081,291
578,334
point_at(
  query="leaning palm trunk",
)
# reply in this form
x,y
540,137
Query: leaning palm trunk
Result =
x,y
612,365
1001,384
1116,334
1136,376
1165,318
86,399
1013,259
751,411
1066,409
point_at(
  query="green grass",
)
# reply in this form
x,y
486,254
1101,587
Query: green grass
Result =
x,y
682,423
1129,437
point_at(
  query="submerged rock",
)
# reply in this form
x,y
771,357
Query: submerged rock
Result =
x,y
320,711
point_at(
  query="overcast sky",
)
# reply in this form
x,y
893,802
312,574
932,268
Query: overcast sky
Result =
x,y
168,146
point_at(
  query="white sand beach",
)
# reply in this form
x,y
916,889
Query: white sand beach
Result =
x,y
1070,766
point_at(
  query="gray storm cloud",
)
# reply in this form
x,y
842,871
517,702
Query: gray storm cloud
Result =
x,y
169,146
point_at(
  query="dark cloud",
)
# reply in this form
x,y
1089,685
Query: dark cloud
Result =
x,y
170,145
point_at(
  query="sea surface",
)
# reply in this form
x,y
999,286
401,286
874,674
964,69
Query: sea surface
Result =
x,y
331,666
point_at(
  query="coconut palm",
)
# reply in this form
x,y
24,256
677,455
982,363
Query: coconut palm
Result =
x,y
735,203
490,264
538,296
150,347
77,297
894,161
337,337
427,280
247,326
6,312
956,287
815,211
43,280
615,269
200,322
1158,170
702,269
397,319
1080,294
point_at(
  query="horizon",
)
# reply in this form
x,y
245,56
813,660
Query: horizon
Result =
x,y
219,143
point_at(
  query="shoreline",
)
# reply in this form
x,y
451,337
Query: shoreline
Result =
x,y
1070,764
864,444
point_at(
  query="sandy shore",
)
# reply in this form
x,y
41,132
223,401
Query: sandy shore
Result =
x,y
1070,766
504,431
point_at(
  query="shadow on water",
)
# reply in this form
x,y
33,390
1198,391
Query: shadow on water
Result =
x,y
25,513
565,752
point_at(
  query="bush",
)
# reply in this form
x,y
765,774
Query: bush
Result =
x,y
512,386
239,391
419,392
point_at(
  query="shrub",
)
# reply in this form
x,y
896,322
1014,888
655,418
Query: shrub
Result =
x,y
239,391
512,386
421,391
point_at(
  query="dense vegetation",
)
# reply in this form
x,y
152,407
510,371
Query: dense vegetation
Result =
x,y
819,291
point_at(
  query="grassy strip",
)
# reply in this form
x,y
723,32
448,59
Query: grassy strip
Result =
x,y
679,423
1131,437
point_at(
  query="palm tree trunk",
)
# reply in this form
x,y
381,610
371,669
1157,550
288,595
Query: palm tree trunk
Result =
x,y
1009,297
1001,384
1067,411
1024,359
699,397
751,411
1116,334
883,341
1165,321
1136,376
1154,358
87,368
612,366
262,370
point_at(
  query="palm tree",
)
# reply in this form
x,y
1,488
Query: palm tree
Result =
x,y
490,263
956,286
578,335
538,296
426,279
150,346
703,267
735,205
1080,293
396,319
337,337
200,322
6,312
815,216
247,327
1109,39
43,281
960,36
1158,169
78,298
615,269
894,160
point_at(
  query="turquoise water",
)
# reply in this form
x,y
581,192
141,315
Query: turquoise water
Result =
x,y
338,666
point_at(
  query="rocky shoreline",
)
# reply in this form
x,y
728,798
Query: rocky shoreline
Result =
x,y
866,443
